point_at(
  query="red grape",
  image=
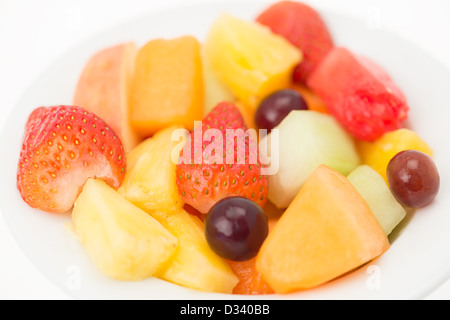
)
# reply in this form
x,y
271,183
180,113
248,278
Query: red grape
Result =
x,y
235,228
413,178
273,109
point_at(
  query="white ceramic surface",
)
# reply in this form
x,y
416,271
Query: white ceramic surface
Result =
x,y
419,259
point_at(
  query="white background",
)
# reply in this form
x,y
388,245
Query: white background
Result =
x,y
34,33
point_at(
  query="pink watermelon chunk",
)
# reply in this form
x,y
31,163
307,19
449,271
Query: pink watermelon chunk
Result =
x,y
302,26
360,94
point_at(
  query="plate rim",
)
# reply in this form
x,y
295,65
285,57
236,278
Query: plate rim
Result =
x,y
432,285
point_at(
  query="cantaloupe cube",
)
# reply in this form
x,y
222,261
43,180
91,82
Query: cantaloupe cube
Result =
x,y
248,114
250,280
167,88
327,230
312,100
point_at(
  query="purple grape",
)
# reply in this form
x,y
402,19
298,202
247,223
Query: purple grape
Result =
x,y
413,178
273,109
235,228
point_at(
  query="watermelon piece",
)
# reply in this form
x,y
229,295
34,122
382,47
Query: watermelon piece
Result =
x,y
360,94
302,26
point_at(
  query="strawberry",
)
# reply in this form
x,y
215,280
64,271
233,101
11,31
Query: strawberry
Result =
x,y
63,146
207,175
304,28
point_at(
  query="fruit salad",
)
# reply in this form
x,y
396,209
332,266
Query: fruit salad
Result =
x,y
264,159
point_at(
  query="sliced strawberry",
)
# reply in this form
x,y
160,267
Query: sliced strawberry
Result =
x,y
206,175
63,147
304,28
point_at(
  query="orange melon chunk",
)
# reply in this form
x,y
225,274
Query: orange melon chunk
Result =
x,y
250,280
327,230
167,88
248,114
314,102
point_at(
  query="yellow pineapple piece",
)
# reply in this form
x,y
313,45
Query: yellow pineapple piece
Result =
x,y
251,60
150,181
124,242
377,154
194,264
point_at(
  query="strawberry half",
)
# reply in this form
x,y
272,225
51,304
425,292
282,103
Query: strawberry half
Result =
x,y
211,171
63,147
304,28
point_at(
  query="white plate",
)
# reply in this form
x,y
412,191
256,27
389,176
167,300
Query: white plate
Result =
x,y
419,259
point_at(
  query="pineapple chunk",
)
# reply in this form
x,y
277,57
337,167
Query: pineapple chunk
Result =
x,y
150,181
378,153
251,60
194,264
123,241
150,184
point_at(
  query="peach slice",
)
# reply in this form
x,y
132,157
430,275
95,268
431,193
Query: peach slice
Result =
x,y
103,89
